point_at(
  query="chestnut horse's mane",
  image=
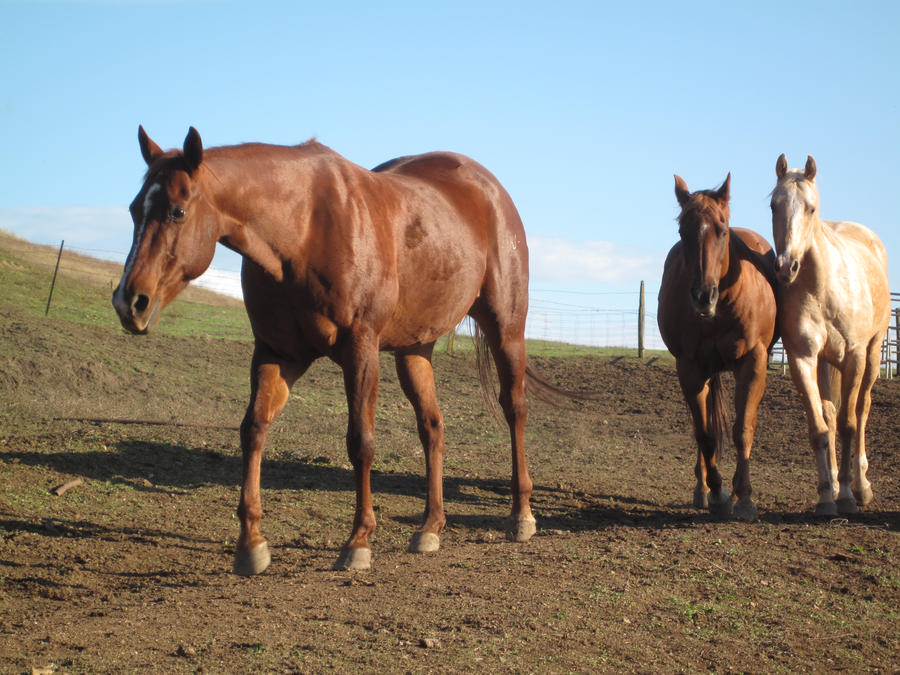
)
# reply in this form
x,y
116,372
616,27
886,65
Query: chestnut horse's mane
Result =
x,y
174,159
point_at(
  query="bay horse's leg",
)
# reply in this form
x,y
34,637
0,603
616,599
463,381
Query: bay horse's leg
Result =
x,y
862,488
416,375
696,390
359,360
803,373
852,376
750,383
270,383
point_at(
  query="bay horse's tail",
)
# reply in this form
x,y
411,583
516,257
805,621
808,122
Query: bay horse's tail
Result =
x,y
716,414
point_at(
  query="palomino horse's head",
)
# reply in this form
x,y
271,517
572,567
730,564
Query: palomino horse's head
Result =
x,y
703,227
795,212
174,233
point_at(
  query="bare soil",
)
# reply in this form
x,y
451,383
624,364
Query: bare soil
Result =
x,y
130,570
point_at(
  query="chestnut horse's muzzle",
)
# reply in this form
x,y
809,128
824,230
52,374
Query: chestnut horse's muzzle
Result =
x,y
137,313
704,299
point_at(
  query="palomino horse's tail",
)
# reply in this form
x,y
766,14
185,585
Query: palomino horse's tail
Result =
x,y
716,415
535,385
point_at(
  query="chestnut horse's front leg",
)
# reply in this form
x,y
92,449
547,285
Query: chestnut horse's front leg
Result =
x,y
417,380
270,383
361,368
750,384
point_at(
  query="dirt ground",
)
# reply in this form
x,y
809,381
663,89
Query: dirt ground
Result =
x,y
131,570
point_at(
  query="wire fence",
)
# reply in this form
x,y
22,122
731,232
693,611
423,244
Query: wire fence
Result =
x,y
580,318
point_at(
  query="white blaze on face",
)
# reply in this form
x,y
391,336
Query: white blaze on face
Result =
x,y
136,245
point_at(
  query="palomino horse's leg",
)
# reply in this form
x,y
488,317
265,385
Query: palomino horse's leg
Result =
x,y
750,383
803,373
853,398
417,380
862,488
361,368
696,391
270,384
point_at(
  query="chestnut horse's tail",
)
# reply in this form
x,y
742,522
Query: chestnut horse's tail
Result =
x,y
535,385
716,414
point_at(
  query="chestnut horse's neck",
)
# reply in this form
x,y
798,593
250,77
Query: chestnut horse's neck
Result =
x,y
255,189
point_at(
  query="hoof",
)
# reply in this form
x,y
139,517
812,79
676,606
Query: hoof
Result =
x,y
826,509
746,511
865,496
254,561
846,506
720,506
701,499
521,529
354,559
424,542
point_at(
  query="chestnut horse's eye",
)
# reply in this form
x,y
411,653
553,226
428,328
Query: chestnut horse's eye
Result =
x,y
177,213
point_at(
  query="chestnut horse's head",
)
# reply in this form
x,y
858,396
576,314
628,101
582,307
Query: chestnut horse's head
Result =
x,y
175,233
703,227
795,213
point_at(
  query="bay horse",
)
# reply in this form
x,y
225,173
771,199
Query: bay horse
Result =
x,y
717,312
341,262
835,307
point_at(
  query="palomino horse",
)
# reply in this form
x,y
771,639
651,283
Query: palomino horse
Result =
x,y
835,306
341,262
717,312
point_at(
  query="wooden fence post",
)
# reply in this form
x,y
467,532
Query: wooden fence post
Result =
x,y
53,283
641,324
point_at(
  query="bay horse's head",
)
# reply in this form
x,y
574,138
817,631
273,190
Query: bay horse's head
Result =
x,y
795,213
174,233
703,228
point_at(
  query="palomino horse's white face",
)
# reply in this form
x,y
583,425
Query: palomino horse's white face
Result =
x,y
174,237
795,212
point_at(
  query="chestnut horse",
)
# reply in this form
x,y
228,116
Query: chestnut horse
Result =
x,y
835,307
341,262
717,312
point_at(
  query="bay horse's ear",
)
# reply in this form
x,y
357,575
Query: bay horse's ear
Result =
x,y
149,150
781,166
810,170
724,192
682,194
193,149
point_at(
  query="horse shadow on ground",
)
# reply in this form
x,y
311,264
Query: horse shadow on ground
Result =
x,y
166,468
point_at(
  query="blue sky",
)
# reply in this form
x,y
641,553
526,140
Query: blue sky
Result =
x,y
584,110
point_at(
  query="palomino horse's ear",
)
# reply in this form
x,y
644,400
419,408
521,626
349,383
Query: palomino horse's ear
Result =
x,y
724,192
193,149
149,150
682,194
781,166
810,170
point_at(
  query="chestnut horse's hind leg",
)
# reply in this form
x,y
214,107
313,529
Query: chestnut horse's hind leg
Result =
x,y
359,360
416,375
750,383
270,384
510,359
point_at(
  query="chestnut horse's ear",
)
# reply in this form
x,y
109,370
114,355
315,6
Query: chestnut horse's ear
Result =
x,y
723,194
193,149
781,166
149,150
682,194
810,171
